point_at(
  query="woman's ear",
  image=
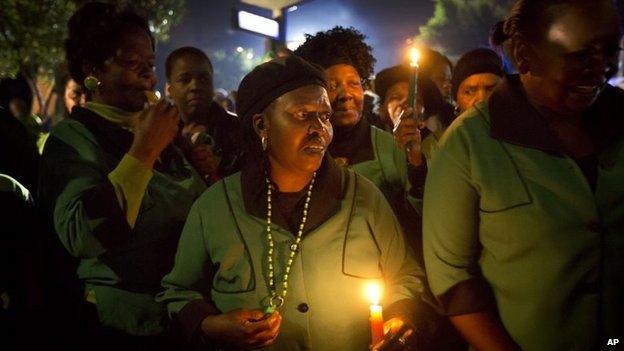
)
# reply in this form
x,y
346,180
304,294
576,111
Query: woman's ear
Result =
x,y
522,54
259,124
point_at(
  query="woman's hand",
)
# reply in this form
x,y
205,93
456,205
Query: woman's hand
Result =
x,y
204,160
247,329
201,155
400,336
156,129
407,137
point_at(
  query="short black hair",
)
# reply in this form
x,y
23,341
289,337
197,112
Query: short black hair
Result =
x,y
339,45
95,33
178,53
431,58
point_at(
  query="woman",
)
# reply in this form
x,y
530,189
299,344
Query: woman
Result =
x,y
528,253
117,191
435,114
476,75
370,151
292,234
474,78
439,69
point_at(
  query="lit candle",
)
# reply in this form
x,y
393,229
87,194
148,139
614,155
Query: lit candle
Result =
x,y
373,291
413,85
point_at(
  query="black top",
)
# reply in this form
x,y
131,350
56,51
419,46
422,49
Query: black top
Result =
x,y
327,195
353,144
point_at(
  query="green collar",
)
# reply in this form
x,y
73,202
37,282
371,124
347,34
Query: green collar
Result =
x,y
122,118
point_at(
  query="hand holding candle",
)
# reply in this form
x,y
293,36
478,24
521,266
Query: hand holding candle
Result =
x,y
373,291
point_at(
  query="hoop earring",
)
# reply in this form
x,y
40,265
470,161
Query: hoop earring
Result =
x,y
265,143
91,83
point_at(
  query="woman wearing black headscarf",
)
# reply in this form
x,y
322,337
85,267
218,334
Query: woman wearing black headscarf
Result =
x,y
280,253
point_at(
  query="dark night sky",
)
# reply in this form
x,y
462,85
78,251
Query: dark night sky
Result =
x,y
387,23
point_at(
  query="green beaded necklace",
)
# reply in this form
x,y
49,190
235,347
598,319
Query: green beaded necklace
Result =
x,y
276,300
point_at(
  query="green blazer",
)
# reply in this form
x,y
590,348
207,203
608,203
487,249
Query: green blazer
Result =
x,y
388,170
121,267
222,257
505,205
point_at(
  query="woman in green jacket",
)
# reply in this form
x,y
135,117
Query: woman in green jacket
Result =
x,y
524,202
117,191
368,150
280,253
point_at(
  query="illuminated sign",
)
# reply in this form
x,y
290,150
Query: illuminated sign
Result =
x,y
257,24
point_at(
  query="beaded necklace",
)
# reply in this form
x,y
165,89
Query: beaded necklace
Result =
x,y
276,300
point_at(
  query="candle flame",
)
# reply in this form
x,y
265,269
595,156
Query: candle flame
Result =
x,y
373,291
414,57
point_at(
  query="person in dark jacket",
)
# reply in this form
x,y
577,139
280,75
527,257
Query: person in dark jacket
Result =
x,y
210,137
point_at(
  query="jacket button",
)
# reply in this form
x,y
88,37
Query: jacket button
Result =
x,y
595,227
303,307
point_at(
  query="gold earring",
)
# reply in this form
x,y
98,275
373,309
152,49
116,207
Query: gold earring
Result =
x,y
91,83
265,142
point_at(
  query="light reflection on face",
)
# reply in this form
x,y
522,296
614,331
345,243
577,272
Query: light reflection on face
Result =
x,y
577,54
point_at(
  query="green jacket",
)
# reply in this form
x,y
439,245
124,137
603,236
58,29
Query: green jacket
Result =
x,y
430,144
121,267
503,201
388,170
222,257
402,185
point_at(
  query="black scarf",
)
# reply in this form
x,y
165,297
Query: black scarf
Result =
x,y
327,195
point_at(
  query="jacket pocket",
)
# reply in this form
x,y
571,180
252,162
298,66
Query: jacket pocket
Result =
x,y
502,188
235,272
360,256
